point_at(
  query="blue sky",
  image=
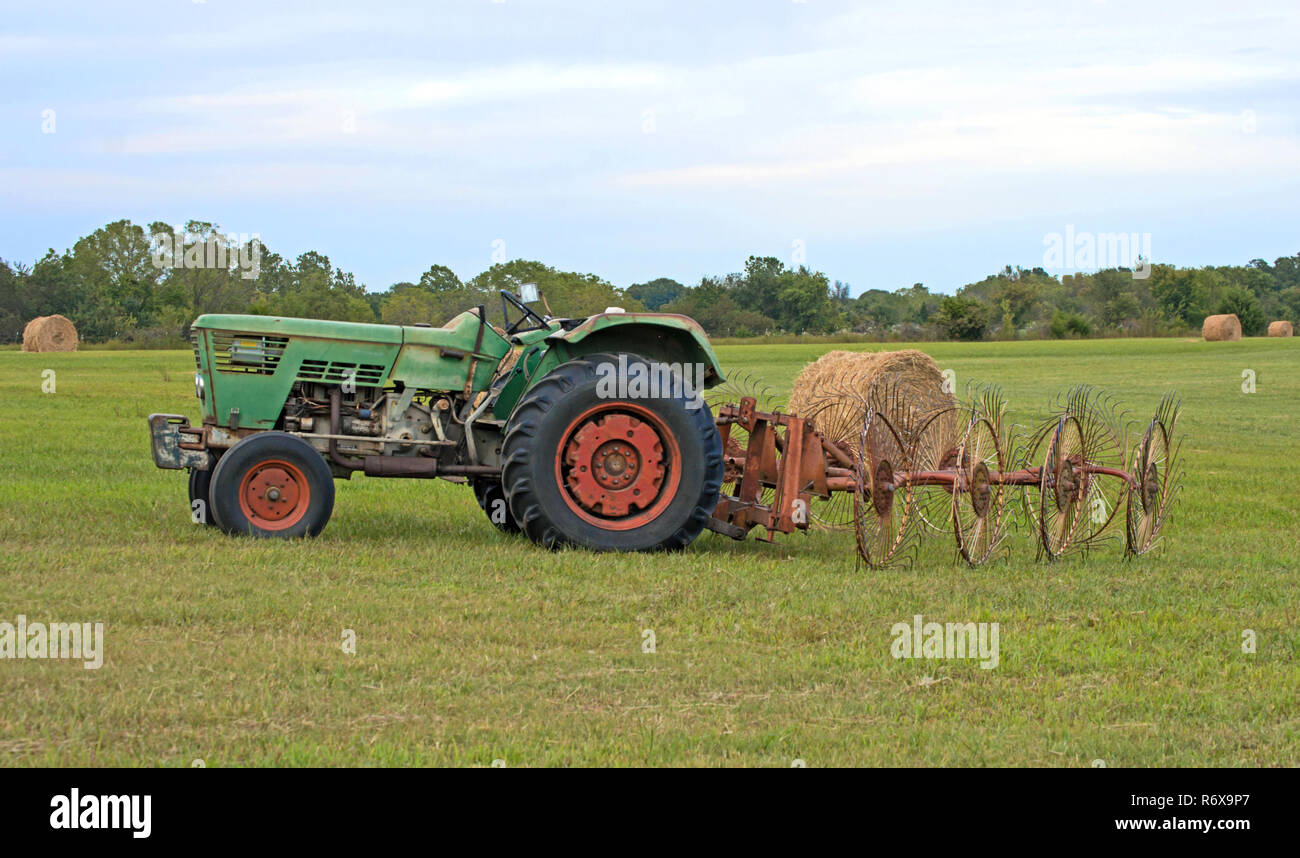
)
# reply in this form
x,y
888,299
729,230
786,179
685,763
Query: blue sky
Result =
x,y
893,142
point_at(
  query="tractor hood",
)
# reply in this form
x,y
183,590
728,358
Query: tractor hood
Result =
x,y
280,326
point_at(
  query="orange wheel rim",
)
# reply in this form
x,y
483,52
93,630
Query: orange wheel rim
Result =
x,y
618,466
274,495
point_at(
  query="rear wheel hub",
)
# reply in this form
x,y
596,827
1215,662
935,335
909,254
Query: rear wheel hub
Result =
x,y
616,464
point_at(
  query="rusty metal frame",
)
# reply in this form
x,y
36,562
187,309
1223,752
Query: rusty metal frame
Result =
x,y
787,455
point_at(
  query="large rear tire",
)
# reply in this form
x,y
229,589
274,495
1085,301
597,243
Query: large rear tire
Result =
x,y
588,468
272,485
491,497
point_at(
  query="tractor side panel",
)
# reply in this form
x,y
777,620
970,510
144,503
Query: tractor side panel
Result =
x,y
440,358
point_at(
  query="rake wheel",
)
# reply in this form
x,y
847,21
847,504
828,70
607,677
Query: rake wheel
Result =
x,y
882,513
935,447
1075,506
978,502
1062,488
1155,468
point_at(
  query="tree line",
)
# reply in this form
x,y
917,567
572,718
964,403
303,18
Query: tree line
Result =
x,y
143,286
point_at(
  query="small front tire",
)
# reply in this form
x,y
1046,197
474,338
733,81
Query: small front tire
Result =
x,y
272,485
200,502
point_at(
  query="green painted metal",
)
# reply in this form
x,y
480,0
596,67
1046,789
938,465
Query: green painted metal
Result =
x,y
250,363
440,358
316,328
665,337
234,377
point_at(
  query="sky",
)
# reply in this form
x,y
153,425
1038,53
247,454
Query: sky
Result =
x,y
881,143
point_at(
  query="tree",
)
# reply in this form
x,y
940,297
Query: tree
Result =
x,y
409,306
1121,309
311,288
1179,294
961,318
567,293
713,304
440,278
209,289
657,292
759,287
1008,330
1247,308
805,302
1069,324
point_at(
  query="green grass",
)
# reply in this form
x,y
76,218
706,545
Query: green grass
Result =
x,y
474,646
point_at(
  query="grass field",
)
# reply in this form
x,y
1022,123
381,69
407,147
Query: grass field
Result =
x,y
474,646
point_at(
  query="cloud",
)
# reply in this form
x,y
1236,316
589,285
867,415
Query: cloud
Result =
x,y
817,119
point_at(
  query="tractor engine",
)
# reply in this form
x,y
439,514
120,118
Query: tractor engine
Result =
x,y
373,421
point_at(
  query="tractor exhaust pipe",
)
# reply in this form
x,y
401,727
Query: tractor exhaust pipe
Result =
x,y
410,466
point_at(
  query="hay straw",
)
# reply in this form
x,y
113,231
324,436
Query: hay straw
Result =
x,y
1281,328
1221,328
50,334
837,390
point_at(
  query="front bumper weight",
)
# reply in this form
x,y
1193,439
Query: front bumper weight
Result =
x,y
176,444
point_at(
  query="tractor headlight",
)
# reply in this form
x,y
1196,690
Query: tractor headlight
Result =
x,y
198,385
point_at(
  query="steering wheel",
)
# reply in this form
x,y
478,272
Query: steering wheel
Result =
x,y
508,298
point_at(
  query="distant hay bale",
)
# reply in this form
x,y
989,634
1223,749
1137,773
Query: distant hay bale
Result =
x,y
1280,329
831,390
1221,328
50,334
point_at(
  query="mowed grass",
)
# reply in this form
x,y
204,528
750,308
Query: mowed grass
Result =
x,y
473,646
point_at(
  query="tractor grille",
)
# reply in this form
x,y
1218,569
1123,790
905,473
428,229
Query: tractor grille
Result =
x,y
194,341
363,375
247,353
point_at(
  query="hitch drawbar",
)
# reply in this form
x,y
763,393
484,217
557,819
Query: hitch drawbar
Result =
x,y
176,444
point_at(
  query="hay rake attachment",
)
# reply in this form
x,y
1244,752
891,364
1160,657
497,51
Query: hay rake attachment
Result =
x,y
896,462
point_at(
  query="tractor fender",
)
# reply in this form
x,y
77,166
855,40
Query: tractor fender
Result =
x,y
665,337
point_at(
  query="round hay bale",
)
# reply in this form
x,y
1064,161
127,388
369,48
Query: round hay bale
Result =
x,y
1221,328
1280,328
832,389
50,334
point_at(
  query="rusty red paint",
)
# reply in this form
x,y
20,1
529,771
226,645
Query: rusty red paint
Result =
x,y
274,495
618,466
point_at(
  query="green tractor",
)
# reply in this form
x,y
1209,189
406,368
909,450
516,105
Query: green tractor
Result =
x,y
584,432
